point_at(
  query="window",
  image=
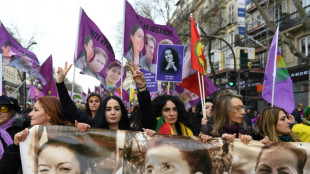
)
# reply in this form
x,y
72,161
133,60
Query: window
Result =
x,y
232,38
277,12
304,44
231,14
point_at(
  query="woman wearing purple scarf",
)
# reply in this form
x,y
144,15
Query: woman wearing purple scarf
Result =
x,y
9,125
228,118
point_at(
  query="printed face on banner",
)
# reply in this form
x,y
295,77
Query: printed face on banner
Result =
x,y
174,154
95,55
59,150
142,37
13,54
186,96
170,63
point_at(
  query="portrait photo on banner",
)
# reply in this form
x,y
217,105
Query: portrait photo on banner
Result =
x,y
175,154
95,56
282,157
13,54
56,148
141,39
170,63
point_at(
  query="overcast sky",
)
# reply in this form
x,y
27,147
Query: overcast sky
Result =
x,y
54,24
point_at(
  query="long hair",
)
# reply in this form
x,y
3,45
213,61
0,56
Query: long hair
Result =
x,y
87,109
164,62
199,106
267,122
221,110
100,121
160,101
52,106
132,33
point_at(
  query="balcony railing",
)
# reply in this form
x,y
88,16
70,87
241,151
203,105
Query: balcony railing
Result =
x,y
290,20
253,8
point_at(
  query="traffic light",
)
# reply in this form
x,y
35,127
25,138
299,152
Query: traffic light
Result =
x,y
232,79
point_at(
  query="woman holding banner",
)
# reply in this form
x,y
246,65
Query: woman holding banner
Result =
x,y
136,44
169,115
274,126
228,114
46,111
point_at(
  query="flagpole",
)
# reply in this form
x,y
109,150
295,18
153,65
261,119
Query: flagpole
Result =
x,y
73,80
201,86
122,70
20,86
204,96
168,90
274,74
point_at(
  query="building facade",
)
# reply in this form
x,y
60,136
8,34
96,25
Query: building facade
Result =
x,y
221,19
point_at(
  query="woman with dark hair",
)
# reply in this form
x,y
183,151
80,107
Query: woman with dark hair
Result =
x,y
46,111
136,44
228,118
167,115
76,158
170,60
70,110
180,154
113,75
274,126
197,119
111,114
87,54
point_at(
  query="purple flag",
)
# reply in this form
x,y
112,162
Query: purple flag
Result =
x,y
84,97
187,68
186,96
142,37
13,54
47,72
94,54
102,90
34,93
3,91
89,92
151,83
277,74
96,90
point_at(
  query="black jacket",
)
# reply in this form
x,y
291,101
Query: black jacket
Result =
x,y
10,162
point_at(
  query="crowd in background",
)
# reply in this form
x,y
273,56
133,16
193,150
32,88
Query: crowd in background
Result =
x,y
226,117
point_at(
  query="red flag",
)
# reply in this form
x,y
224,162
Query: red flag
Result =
x,y
191,83
198,59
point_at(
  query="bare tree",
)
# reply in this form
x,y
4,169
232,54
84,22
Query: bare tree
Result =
x,y
284,39
160,10
304,17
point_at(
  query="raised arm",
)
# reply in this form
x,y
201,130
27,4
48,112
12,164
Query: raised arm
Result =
x,y
148,118
69,108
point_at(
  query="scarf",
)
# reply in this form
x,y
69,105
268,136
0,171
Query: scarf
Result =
x,y
163,127
286,138
5,135
231,129
306,121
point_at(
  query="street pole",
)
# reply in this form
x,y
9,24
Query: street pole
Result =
x,y
230,47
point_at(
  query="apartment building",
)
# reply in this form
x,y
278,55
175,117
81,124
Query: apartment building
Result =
x,y
221,19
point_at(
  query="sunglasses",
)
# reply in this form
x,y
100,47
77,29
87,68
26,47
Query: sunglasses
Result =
x,y
4,109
